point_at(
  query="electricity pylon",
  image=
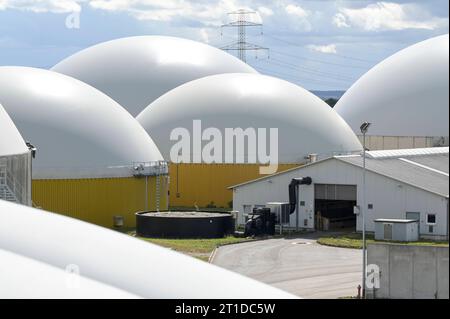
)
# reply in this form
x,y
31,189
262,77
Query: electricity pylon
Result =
x,y
241,45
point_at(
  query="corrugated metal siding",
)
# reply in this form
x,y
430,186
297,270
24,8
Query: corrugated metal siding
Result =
x,y
98,200
206,184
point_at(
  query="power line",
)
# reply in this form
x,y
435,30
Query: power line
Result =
x,y
296,78
335,54
303,58
241,45
291,66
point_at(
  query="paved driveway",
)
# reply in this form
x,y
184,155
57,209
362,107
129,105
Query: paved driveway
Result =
x,y
299,266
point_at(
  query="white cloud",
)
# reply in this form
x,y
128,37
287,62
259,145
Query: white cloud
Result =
x,y
285,14
294,16
265,11
41,6
330,48
340,21
209,12
204,35
383,16
296,11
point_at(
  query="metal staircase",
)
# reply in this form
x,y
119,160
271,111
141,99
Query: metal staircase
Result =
x,y
158,185
7,186
157,169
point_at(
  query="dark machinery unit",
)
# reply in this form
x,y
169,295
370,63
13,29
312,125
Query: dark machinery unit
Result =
x,y
261,222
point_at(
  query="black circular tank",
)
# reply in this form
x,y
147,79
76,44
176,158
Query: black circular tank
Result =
x,y
179,224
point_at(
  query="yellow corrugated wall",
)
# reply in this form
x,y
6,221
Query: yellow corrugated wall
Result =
x,y
206,184
97,200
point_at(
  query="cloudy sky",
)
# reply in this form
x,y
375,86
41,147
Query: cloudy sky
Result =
x,y
318,44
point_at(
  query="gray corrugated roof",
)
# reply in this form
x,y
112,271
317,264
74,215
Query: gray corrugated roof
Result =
x,y
409,173
439,162
397,165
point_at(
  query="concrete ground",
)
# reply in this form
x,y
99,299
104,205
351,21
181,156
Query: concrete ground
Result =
x,y
298,265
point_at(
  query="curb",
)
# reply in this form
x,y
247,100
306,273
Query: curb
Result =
x,y
214,252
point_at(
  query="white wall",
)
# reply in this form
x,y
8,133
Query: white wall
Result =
x,y
380,142
275,189
409,272
390,198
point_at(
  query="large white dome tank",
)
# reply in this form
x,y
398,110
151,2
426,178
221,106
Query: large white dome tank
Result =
x,y
87,148
11,142
135,71
304,122
44,255
405,95
75,127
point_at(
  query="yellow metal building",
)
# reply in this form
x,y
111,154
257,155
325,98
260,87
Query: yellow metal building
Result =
x,y
206,185
99,200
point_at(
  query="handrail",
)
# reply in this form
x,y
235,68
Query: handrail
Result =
x,y
14,185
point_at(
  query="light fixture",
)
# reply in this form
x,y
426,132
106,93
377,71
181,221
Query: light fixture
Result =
x,y
364,127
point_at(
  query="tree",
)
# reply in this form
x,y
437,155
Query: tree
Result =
x,y
331,101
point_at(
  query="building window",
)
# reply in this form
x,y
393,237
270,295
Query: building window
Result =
x,y
431,219
302,203
370,206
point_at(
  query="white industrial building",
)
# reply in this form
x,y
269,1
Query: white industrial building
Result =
x,y
400,184
405,97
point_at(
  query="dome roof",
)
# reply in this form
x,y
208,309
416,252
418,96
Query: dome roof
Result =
x,y
405,95
27,278
11,141
136,71
55,242
305,123
72,125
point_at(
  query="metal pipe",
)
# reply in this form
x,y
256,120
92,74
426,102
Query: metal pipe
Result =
x,y
146,193
296,207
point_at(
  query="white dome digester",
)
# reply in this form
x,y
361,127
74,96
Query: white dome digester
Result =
x,y
11,142
135,71
75,127
405,95
304,122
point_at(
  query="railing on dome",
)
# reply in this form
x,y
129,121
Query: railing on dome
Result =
x,y
155,168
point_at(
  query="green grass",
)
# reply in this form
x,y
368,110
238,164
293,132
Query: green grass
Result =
x,y
199,248
354,240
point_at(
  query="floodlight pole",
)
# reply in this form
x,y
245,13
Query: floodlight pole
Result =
x,y
364,128
364,217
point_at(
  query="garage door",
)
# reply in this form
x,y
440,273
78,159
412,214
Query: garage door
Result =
x,y
335,192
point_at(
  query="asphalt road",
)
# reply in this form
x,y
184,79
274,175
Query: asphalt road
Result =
x,y
299,266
